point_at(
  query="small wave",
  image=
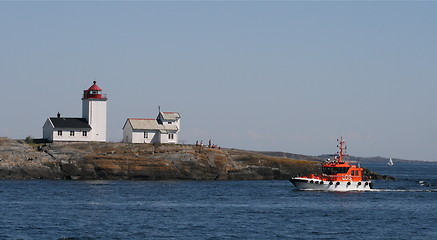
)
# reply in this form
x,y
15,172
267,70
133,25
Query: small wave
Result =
x,y
75,238
97,182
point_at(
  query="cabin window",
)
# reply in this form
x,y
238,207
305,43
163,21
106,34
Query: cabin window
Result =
x,y
59,132
169,122
84,133
356,172
353,173
71,133
334,170
170,136
146,135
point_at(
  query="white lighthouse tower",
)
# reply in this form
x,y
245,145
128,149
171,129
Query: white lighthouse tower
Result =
x,y
94,111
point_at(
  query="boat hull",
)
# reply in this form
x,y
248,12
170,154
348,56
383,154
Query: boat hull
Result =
x,y
336,186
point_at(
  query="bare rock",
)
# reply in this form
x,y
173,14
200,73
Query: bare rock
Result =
x,y
95,160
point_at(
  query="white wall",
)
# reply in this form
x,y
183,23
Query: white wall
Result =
x,y
153,136
138,136
66,136
165,137
78,136
94,110
47,131
127,133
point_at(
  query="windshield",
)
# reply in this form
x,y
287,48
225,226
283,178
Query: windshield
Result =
x,y
334,170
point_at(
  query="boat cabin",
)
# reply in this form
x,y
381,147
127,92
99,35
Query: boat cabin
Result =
x,y
342,171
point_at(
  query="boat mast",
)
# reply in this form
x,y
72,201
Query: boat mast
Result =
x,y
342,150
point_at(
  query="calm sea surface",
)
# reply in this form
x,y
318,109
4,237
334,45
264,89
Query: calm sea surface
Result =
x,y
401,209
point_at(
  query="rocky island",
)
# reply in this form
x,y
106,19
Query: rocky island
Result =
x,y
112,161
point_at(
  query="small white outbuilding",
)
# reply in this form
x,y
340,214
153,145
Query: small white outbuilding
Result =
x,y
164,129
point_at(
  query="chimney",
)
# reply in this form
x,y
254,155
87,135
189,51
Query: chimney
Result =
x,y
59,115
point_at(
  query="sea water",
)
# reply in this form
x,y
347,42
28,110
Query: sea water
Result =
x,y
402,209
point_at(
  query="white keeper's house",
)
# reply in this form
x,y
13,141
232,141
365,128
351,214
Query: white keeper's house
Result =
x,y
90,127
164,129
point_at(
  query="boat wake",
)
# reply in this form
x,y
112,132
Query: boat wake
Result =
x,y
375,190
402,190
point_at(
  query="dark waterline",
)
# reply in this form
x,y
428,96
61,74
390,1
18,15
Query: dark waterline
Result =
x,y
401,209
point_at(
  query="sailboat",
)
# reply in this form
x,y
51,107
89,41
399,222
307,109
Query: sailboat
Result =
x,y
390,163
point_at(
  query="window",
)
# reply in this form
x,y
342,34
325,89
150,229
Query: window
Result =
x,y
71,133
146,135
169,122
84,133
59,132
334,170
170,136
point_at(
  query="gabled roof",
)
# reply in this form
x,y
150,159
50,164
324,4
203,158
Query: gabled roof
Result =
x,y
70,123
149,124
172,116
137,123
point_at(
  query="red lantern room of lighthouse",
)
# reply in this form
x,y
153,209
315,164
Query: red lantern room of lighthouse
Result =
x,y
94,92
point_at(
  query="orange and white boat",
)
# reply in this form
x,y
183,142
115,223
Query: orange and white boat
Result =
x,y
337,175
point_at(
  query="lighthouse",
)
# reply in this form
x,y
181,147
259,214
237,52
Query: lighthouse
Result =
x,y
91,127
94,111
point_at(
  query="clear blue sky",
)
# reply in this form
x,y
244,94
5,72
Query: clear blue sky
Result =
x,y
288,75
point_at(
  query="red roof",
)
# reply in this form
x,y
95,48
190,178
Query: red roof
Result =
x,y
94,87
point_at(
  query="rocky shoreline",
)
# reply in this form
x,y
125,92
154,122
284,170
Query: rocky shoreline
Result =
x,y
113,161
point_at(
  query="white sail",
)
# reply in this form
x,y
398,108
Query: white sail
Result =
x,y
390,162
